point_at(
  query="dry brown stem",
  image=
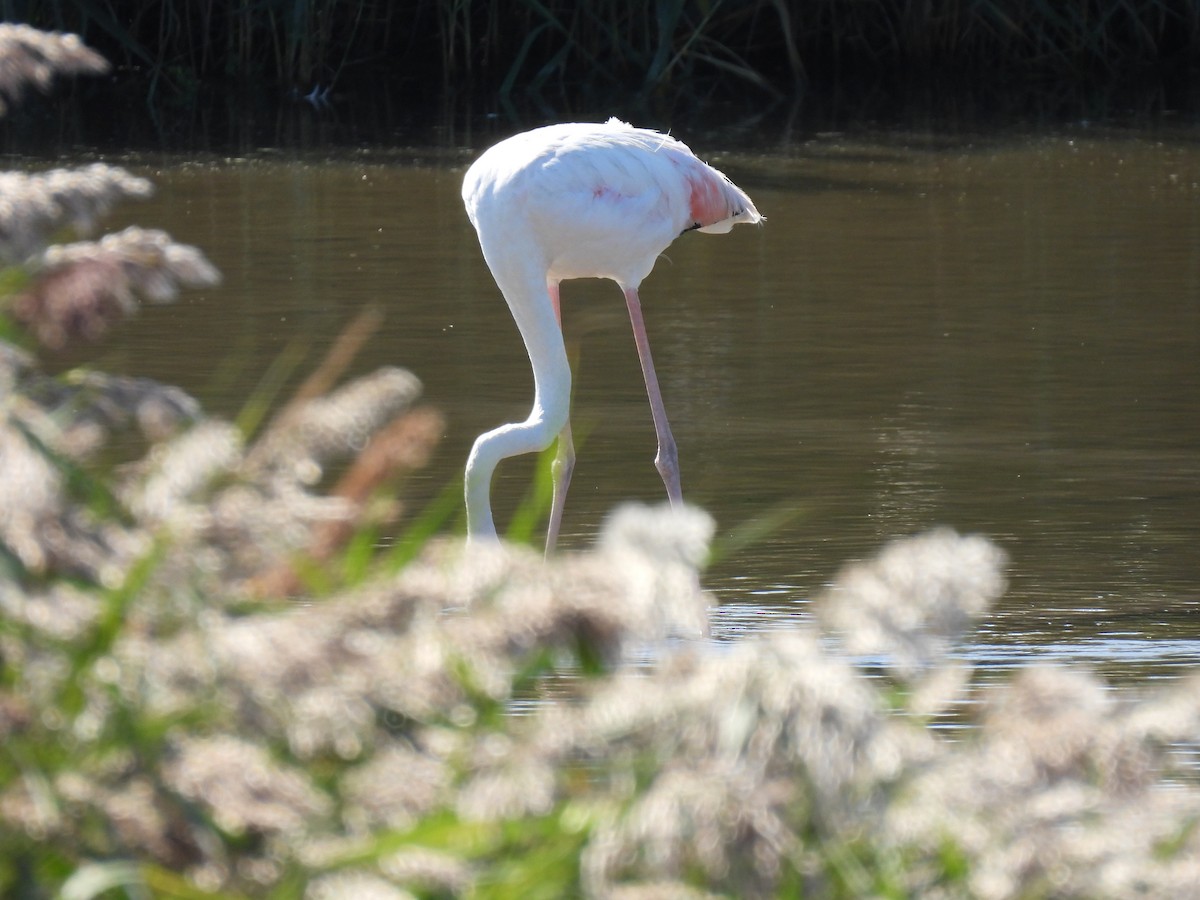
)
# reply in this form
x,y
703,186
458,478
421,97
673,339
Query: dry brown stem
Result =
x,y
396,450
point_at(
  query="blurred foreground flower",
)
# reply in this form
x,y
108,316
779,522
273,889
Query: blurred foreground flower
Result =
x,y
81,289
35,205
32,57
909,607
370,738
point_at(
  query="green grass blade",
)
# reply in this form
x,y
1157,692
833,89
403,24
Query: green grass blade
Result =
x,y
535,506
262,400
432,519
754,530
115,603
88,489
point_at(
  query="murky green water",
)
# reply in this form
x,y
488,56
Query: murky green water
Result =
x,y
1002,335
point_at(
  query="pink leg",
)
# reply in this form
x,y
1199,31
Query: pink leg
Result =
x,y
667,460
564,459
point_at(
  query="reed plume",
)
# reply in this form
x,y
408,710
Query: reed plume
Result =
x,y
728,769
35,205
32,57
81,289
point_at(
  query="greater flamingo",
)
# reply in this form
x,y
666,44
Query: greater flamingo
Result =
x,y
581,201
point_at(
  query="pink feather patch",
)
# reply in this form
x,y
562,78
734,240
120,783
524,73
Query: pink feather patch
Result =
x,y
707,200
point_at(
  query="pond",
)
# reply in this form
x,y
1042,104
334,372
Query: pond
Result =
x,y
996,332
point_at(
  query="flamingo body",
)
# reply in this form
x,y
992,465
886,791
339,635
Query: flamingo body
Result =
x,y
580,201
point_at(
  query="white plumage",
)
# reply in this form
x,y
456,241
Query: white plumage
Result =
x,y
581,201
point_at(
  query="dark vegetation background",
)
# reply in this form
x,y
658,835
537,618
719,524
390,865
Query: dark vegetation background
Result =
x,y
558,57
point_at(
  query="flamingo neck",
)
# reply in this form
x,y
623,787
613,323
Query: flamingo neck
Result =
x,y
536,319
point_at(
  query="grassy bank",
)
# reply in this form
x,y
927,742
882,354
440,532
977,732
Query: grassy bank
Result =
x,y
178,47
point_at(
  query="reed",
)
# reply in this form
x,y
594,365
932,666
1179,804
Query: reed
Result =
x,y
560,48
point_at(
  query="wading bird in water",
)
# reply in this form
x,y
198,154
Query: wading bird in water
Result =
x,y
581,201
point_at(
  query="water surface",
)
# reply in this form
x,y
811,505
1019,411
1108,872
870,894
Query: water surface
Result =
x,y
998,333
